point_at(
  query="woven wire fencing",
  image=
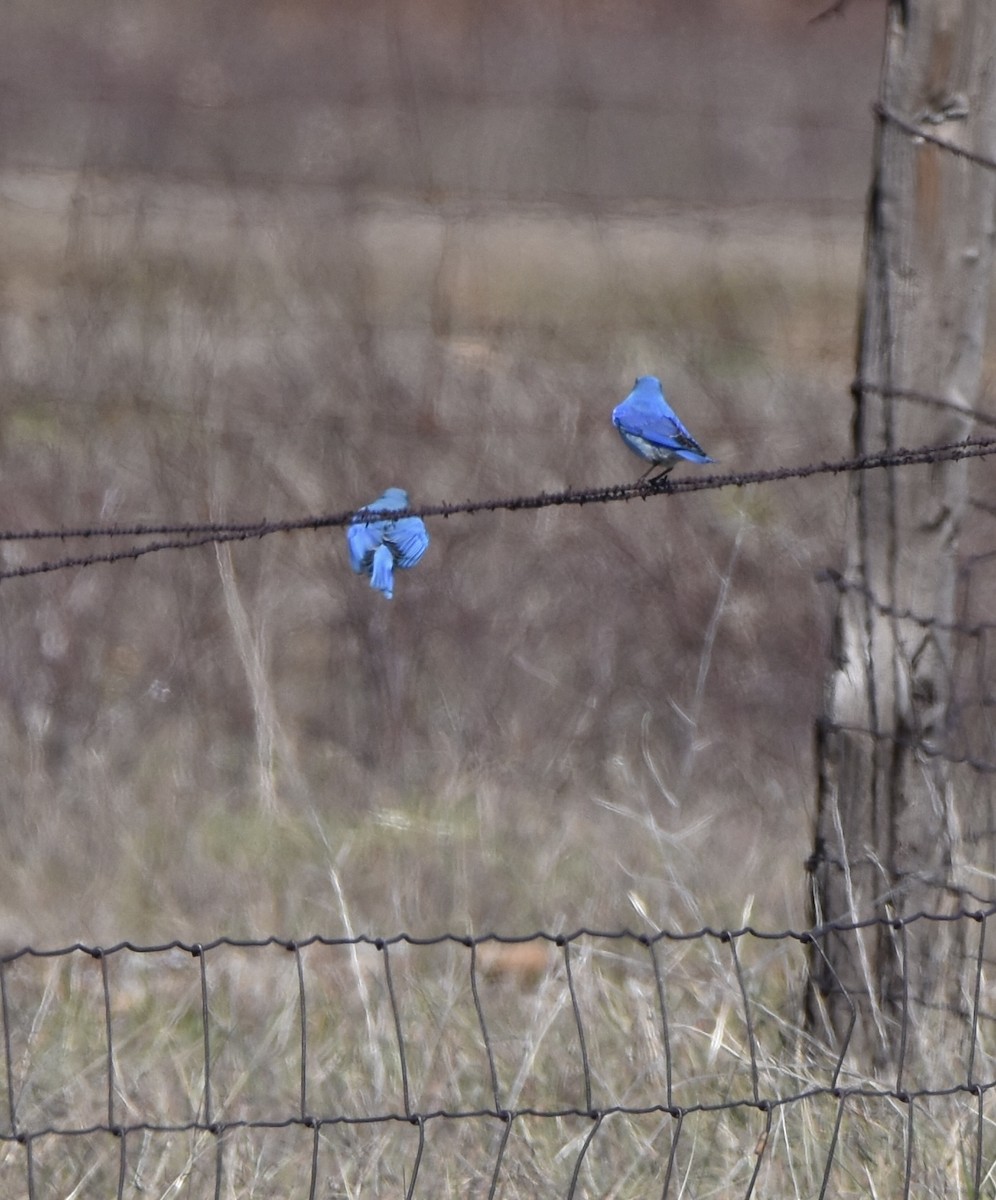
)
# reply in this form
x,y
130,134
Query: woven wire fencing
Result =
x,y
583,1064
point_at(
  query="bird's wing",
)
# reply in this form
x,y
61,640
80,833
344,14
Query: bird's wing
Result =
x,y
680,439
410,540
654,426
657,422
363,540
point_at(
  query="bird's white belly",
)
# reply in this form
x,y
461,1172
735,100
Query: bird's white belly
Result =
x,y
647,449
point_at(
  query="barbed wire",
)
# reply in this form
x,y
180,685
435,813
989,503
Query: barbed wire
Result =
x,y
315,180
843,585
918,133
639,967
190,535
461,99
911,741
860,387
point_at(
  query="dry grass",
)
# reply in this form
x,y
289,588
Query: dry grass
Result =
x,y
545,691
593,718
597,718
694,1052
562,719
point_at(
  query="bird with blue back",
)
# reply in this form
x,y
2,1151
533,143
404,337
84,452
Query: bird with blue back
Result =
x,y
377,546
652,429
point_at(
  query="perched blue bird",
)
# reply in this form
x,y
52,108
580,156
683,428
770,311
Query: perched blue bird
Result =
x,y
377,547
651,428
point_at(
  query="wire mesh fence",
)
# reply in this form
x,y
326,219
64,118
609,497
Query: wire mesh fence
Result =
x,y
585,1063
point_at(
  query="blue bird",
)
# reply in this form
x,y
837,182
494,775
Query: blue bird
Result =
x,y
377,547
651,428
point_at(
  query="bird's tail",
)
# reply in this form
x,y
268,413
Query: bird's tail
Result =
x,y
382,571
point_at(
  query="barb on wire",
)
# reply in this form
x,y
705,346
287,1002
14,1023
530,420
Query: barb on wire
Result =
x,y
188,536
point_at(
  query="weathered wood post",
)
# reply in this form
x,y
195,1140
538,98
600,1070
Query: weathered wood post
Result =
x,y
887,828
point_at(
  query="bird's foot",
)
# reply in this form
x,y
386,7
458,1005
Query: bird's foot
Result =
x,y
660,483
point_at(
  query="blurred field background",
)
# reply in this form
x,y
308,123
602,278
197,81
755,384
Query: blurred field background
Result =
x,y
262,259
